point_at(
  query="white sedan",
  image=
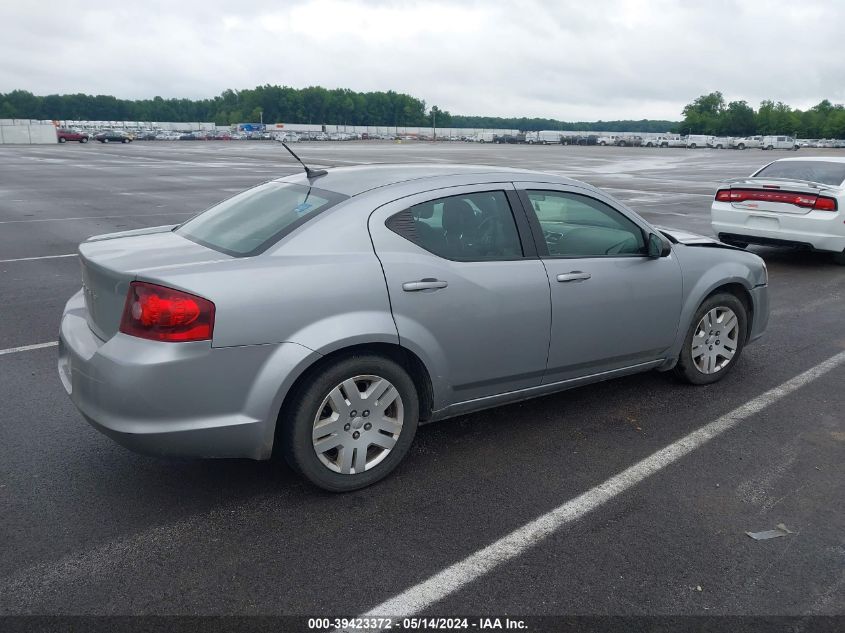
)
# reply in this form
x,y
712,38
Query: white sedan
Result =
x,y
794,202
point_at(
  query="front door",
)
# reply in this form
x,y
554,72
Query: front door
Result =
x,y
612,305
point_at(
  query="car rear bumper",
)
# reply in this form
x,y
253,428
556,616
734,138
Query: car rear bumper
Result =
x,y
819,230
176,399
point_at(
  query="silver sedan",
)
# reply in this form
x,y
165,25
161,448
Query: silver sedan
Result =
x,y
325,315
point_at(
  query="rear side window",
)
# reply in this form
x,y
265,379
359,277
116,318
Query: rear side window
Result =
x,y
467,227
826,172
252,221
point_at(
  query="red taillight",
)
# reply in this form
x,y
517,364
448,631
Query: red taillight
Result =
x,y
164,314
825,204
803,200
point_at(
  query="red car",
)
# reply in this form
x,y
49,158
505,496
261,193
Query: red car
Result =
x,y
69,135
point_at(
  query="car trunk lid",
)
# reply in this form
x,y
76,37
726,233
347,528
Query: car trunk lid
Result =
x,y
774,195
110,262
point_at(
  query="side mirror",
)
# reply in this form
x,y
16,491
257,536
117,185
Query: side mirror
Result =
x,y
658,247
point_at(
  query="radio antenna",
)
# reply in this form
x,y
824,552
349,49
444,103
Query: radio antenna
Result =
x,y
309,173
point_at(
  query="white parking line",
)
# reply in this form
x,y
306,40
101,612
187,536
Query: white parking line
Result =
x,y
27,348
27,259
422,596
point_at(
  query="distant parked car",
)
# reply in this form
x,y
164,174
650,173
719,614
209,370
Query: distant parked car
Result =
x,y
779,142
718,142
607,140
145,135
543,137
113,136
673,141
747,142
65,135
697,140
795,202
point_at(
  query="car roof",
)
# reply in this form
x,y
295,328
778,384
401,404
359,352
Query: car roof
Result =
x,y
351,181
825,159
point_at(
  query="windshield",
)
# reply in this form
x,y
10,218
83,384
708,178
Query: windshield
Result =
x,y
252,221
826,172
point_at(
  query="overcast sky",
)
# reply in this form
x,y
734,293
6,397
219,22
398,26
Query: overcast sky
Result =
x,y
571,60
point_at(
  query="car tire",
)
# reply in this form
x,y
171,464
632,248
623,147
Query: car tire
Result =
x,y
83,140
602,143
105,140
692,146
718,147
741,146
313,402
124,140
697,368
62,140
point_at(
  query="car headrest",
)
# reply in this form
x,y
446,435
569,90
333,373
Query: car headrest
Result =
x,y
458,216
424,211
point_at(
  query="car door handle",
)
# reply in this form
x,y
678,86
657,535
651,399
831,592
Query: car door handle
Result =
x,y
575,275
424,284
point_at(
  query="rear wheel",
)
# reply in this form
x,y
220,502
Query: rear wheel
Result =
x,y
62,140
741,146
714,341
105,140
352,423
84,139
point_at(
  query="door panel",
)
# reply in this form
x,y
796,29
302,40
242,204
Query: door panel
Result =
x,y
612,306
626,313
481,327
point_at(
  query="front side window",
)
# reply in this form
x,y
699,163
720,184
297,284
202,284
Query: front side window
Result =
x,y
574,225
465,227
252,221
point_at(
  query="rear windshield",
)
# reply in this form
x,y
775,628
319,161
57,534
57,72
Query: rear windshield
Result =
x,y
826,172
252,221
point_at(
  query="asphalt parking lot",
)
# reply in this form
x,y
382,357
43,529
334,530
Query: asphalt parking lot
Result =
x,y
89,528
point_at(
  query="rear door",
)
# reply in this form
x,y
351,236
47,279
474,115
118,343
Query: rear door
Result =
x,y
612,306
469,295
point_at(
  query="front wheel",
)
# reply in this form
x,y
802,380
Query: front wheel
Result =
x,y
741,146
351,423
714,340
84,139
105,140
62,140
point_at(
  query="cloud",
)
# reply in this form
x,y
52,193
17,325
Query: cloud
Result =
x,y
570,60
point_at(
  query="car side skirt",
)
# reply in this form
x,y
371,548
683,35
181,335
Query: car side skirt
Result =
x,y
479,404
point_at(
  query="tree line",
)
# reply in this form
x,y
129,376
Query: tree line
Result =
x,y
709,114
289,105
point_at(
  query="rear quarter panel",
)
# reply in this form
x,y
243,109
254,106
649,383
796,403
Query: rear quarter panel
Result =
x,y
321,287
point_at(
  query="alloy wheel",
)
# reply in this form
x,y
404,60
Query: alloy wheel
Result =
x,y
715,340
358,424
